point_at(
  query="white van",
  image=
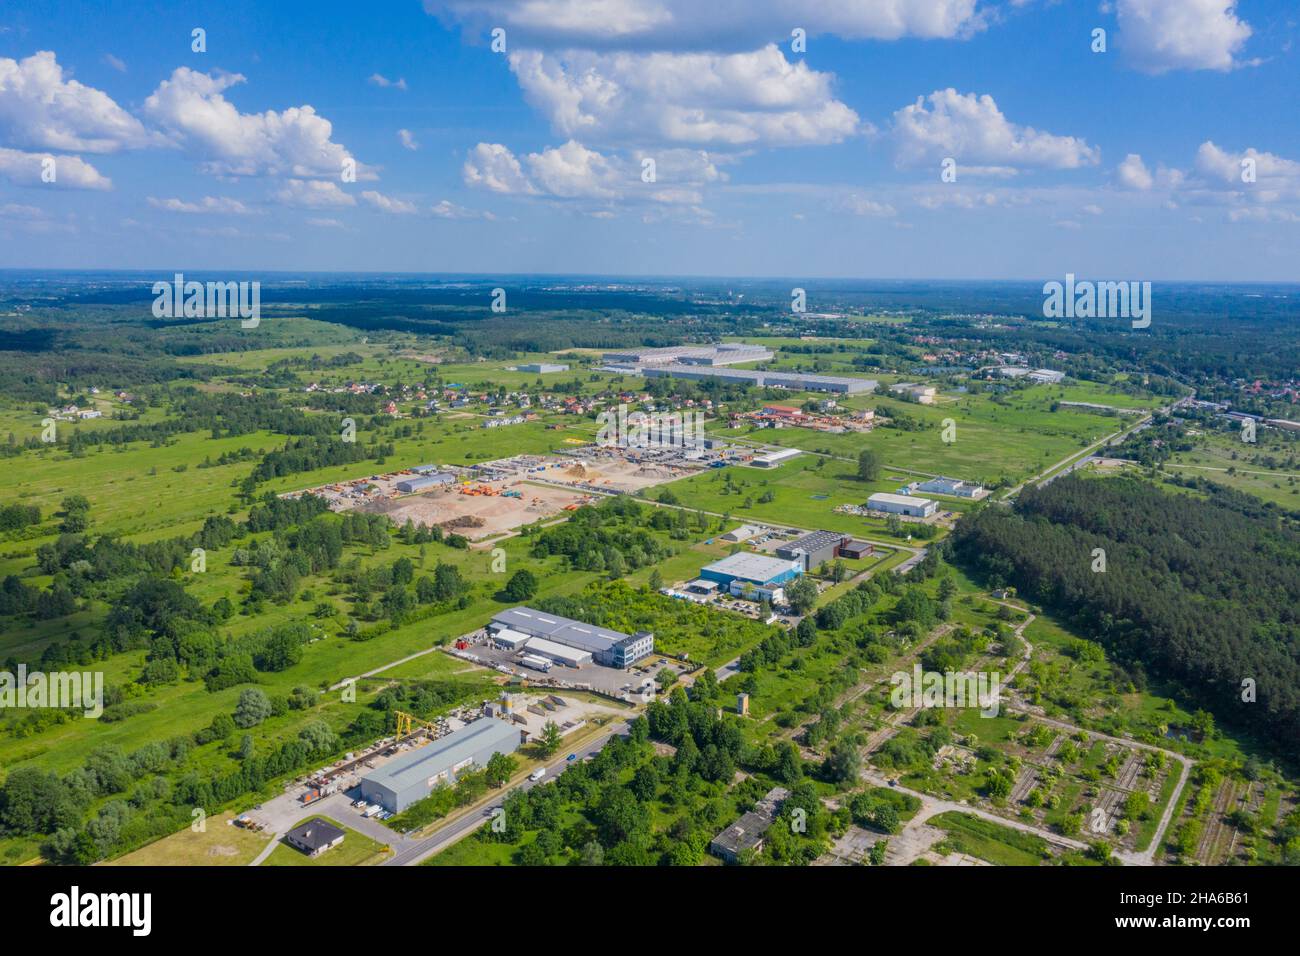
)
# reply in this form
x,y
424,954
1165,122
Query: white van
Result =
x,y
537,774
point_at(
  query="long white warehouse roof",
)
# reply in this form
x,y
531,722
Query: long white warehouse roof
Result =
x,y
540,645
888,498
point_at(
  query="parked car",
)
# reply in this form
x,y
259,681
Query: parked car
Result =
x,y
571,757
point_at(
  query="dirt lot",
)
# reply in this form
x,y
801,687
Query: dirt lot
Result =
x,y
609,470
497,513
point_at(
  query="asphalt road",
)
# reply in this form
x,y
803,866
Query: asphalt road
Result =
x,y
418,850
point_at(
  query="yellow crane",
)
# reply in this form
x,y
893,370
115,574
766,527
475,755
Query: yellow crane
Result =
x,y
405,722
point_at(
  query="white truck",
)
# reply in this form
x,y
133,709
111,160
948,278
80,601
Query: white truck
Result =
x,y
537,774
372,810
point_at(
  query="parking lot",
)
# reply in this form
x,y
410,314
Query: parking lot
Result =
x,y
604,680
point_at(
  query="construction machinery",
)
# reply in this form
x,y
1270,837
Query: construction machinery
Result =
x,y
405,724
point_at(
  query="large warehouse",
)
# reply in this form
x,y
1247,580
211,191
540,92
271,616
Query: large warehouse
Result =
x,y
727,353
413,775
947,486
813,548
902,505
748,568
541,367
771,459
424,482
546,632
797,381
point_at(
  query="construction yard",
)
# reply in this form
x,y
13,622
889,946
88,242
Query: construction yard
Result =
x,y
480,510
616,470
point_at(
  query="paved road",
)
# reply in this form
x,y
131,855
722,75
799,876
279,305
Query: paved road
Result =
x,y
414,851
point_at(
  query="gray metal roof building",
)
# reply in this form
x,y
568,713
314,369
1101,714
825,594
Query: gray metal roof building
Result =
x,y
725,353
607,647
797,381
413,775
409,485
813,548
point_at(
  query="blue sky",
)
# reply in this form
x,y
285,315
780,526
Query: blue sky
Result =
x,y
768,161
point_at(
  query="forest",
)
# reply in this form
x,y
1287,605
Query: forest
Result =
x,y
1202,591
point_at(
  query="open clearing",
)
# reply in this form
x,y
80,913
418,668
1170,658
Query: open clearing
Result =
x,y
219,844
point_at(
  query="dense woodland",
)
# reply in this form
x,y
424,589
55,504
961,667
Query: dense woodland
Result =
x,y
1200,591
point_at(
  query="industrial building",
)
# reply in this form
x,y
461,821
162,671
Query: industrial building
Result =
x,y
813,548
743,533
748,568
796,381
559,653
947,486
856,549
1043,376
600,644
922,394
747,834
771,459
507,640
413,775
771,593
424,482
315,836
540,367
727,353
902,505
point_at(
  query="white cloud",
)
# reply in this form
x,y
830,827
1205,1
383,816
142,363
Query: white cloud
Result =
x,y
972,129
313,194
705,24
445,209
295,142
69,171
208,204
751,98
1133,173
691,166
572,171
387,203
33,219
492,166
1093,209
377,79
1262,214
407,139
864,206
1271,171
958,198
42,110
115,62
1162,35
325,223
19,211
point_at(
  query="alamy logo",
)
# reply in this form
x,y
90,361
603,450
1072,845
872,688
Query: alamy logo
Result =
x,y
947,689
1100,300
82,690
208,300
74,909
619,429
